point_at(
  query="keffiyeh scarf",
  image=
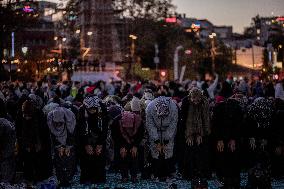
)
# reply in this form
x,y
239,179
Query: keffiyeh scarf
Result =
x,y
92,102
162,106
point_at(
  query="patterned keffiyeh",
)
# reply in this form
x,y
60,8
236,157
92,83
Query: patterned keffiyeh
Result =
x,y
162,107
92,102
261,111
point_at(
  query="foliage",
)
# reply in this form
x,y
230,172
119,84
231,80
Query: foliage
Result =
x,y
145,9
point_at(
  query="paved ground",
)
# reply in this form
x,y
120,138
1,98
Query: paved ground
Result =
x,y
113,182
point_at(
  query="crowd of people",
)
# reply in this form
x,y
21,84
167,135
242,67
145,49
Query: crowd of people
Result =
x,y
193,129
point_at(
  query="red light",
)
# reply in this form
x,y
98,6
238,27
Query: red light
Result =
x,y
171,20
163,73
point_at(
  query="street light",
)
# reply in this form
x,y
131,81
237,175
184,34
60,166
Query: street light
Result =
x,y
212,36
64,39
78,31
134,37
25,50
90,33
55,38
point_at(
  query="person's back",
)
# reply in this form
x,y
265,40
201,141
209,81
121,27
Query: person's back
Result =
x,y
279,91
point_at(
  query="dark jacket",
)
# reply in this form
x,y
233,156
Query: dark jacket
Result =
x,y
92,130
227,120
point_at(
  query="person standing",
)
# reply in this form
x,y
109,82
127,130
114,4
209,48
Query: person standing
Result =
x,y
195,118
226,124
61,123
93,129
258,127
34,143
7,151
161,125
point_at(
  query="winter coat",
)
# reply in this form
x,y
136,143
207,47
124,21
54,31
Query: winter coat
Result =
x,y
201,125
277,123
162,130
118,134
92,130
227,120
7,138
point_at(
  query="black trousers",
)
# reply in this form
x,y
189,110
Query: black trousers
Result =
x,y
36,165
65,167
227,166
163,167
128,164
93,168
196,161
7,169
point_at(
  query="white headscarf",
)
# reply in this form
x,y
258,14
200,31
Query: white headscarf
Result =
x,y
65,116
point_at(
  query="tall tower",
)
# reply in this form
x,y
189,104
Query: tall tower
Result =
x,y
99,36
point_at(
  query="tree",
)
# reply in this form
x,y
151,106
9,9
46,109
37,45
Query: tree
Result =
x,y
13,19
145,9
68,25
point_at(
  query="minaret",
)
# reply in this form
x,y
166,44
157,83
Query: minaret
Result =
x,y
97,21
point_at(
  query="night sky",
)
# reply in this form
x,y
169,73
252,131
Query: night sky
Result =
x,y
230,12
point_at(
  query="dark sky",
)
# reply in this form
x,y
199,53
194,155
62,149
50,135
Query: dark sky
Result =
x,y
230,12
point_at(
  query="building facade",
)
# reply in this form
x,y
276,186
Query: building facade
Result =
x,y
99,36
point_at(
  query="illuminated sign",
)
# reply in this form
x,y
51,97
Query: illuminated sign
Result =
x,y
28,9
280,19
171,20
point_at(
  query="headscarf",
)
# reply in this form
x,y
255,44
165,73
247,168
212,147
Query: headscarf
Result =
x,y
129,124
261,111
197,122
242,99
92,102
49,107
115,111
112,100
5,123
65,116
135,104
197,94
36,100
148,95
28,108
162,106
